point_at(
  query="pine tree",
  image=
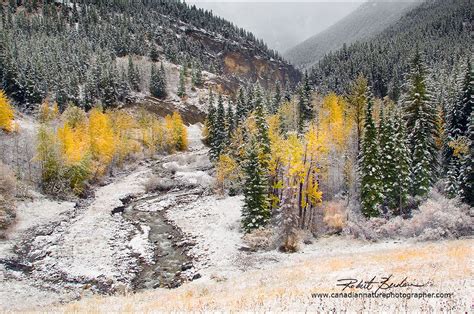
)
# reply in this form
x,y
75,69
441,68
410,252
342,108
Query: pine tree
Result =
x,y
399,193
304,104
157,82
369,167
230,122
467,166
197,76
154,55
421,119
255,213
163,81
241,108
262,136
133,75
219,142
276,101
182,83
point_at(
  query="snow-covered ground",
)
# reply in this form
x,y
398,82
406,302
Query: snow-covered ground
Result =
x,y
91,244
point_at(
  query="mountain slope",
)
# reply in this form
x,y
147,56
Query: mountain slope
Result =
x,y
65,51
366,21
441,29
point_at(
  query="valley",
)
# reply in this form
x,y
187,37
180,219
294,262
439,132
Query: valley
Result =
x,y
155,157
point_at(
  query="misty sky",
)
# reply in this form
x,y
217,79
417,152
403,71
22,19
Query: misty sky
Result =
x,y
280,24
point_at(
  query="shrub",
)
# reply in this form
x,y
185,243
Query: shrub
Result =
x,y
437,218
7,196
335,215
260,239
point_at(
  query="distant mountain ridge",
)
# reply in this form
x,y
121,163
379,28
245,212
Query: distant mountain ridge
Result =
x,y
368,20
440,29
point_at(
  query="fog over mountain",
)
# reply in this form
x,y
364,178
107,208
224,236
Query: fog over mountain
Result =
x,y
281,25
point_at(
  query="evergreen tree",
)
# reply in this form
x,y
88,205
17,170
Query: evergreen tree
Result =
x,y
154,55
197,75
467,166
369,166
421,119
276,101
182,83
219,132
133,75
211,125
304,104
230,122
262,136
464,131
255,213
241,110
399,192
157,82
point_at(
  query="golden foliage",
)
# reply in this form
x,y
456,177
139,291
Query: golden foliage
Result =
x,y
102,139
226,171
6,113
48,112
177,132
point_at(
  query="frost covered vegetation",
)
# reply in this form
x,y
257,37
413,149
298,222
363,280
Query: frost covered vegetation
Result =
x,y
296,159
441,28
75,148
70,52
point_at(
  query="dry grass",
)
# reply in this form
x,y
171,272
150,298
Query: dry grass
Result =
x,y
335,215
289,287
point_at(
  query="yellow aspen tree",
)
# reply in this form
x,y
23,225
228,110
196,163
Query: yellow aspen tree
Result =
x,y
54,111
177,131
102,140
44,112
75,152
124,126
6,113
226,172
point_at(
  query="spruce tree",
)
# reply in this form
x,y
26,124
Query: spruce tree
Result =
x,y
241,108
211,125
219,136
421,119
197,75
157,82
182,83
276,100
262,136
154,55
304,104
133,75
466,127
163,81
371,186
230,122
399,192
255,212
387,165
467,166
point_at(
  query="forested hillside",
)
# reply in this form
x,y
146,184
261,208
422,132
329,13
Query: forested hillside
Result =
x,y
368,20
441,29
72,53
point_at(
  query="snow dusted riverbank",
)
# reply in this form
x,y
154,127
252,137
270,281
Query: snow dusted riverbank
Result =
x,y
64,252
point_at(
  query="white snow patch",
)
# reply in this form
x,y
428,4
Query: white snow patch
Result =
x,y
141,245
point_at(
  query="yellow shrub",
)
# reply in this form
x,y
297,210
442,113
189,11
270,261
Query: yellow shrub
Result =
x,y
6,113
102,139
178,134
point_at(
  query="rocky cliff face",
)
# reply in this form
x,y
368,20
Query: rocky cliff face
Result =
x,y
243,62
